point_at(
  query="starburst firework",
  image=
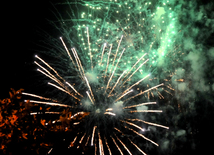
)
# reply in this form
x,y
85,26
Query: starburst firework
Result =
x,y
109,100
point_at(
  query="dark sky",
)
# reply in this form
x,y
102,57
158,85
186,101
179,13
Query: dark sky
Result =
x,y
21,21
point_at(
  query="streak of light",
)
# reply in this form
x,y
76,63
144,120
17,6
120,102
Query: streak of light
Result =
x,y
108,59
109,150
137,147
67,51
137,105
104,46
123,95
150,123
100,145
92,137
170,87
109,81
89,87
142,129
76,123
89,48
145,111
51,77
90,97
109,109
74,140
73,89
116,145
116,82
141,136
87,140
134,72
134,66
168,92
118,61
82,138
117,50
123,144
63,90
79,64
110,113
161,96
131,141
49,103
37,96
43,68
50,150
52,112
145,91
136,83
48,66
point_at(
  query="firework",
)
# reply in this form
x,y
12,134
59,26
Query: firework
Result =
x,y
112,69
109,98
145,26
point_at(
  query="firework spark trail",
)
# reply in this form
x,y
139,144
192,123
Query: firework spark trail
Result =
x,y
110,113
37,96
132,124
123,144
109,150
36,113
108,59
154,124
74,89
51,77
123,95
67,51
145,91
134,66
145,111
63,90
89,88
104,46
117,51
147,103
49,103
98,143
136,84
79,64
117,145
90,97
130,141
89,48
141,135
134,72
117,82
82,138
92,137
48,66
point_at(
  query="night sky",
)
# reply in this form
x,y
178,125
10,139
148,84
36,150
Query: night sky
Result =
x,y
21,23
